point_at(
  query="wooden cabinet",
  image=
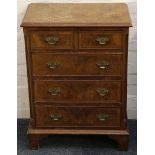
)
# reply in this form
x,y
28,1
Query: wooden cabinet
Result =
x,y
77,70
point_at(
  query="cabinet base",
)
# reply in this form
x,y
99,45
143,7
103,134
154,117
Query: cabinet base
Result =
x,y
120,136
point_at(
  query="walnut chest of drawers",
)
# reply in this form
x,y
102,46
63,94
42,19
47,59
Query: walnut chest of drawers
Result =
x,y
77,70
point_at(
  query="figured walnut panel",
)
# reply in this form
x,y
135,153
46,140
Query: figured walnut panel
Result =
x,y
70,14
77,116
73,64
80,90
87,39
38,39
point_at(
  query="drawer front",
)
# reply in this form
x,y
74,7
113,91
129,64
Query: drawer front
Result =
x,y
73,64
48,116
100,40
72,90
52,40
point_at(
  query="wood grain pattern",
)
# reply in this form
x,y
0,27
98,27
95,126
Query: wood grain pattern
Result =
x,y
78,81
77,117
65,39
81,90
76,64
85,14
87,39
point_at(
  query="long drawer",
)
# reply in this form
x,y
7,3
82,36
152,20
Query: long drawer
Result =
x,y
49,116
77,64
77,90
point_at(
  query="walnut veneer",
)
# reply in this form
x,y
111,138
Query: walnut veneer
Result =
x,y
77,70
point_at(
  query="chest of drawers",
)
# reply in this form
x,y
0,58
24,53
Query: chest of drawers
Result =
x,y
77,70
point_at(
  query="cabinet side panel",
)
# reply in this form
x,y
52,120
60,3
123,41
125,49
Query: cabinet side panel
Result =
x,y
124,79
29,75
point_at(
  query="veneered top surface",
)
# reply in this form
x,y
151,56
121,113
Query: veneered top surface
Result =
x,y
77,14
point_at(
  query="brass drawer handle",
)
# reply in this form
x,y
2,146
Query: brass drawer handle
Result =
x,y
102,91
54,91
103,40
102,65
102,117
51,40
55,117
53,65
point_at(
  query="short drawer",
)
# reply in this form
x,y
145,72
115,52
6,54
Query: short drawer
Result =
x,y
48,116
52,40
77,90
76,64
100,40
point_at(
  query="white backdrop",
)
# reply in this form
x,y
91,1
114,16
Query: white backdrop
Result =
x,y
22,88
